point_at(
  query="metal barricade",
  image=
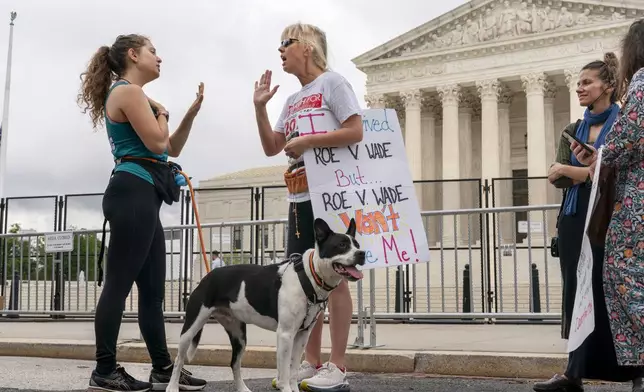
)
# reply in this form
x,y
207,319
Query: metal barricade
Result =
x,y
475,274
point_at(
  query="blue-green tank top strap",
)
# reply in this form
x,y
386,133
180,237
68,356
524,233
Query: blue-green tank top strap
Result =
x,y
124,141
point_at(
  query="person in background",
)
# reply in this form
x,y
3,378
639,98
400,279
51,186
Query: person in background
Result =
x,y
137,127
595,358
624,255
216,262
303,51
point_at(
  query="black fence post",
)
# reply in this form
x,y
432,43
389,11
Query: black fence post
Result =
x,y
2,209
184,298
536,291
400,290
408,292
254,215
59,295
492,260
15,294
2,246
467,293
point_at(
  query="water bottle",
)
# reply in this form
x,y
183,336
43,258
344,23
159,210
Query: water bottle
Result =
x,y
179,179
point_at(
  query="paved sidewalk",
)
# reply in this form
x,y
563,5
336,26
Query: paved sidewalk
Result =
x,y
544,339
527,351
39,375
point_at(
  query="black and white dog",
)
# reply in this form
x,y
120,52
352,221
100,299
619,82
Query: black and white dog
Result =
x,y
285,297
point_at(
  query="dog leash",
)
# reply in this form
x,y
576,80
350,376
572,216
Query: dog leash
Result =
x,y
194,209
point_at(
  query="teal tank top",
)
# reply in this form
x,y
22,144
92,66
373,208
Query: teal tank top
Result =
x,y
124,141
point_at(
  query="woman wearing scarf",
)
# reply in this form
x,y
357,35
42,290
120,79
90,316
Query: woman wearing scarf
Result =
x,y
595,358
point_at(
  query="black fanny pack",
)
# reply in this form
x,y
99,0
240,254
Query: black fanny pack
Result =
x,y
165,175
167,180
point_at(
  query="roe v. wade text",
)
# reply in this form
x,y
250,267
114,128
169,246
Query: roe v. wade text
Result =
x,y
371,182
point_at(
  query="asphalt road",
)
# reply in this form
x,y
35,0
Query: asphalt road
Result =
x,y
44,375
410,382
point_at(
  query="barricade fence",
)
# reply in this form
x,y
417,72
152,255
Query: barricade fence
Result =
x,y
473,274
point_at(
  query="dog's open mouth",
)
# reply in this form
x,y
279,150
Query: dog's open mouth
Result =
x,y
349,272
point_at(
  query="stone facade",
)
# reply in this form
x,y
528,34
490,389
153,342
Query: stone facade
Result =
x,y
481,92
498,80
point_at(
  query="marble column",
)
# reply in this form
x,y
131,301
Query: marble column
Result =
x,y
413,140
534,85
572,77
430,113
489,91
503,188
466,112
505,101
413,146
450,96
375,101
398,105
551,149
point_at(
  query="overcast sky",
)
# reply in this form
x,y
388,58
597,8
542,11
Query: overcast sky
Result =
x,y
52,148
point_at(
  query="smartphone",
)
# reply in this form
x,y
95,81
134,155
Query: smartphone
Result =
x,y
572,138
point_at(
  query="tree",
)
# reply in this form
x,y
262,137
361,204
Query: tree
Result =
x,y
84,257
28,252
22,255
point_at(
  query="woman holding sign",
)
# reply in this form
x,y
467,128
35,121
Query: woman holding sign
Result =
x,y
624,153
303,51
595,357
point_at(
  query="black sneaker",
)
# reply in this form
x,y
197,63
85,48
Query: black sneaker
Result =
x,y
161,378
118,381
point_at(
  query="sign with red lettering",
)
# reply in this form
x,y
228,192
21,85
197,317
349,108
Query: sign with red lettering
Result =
x,y
369,181
583,313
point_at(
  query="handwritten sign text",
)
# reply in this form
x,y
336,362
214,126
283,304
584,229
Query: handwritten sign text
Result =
x,y
370,182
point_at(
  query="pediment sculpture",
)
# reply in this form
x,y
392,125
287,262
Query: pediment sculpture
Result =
x,y
502,20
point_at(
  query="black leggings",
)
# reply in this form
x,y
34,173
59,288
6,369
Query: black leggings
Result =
x,y
136,253
300,219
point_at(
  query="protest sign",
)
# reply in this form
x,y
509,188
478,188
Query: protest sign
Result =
x,y
583,314
371,182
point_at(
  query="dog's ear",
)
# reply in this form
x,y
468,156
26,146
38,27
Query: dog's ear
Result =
x,y
322,230
352,228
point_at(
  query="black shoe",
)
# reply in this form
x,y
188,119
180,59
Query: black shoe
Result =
x,y
117,381
161,378
559,384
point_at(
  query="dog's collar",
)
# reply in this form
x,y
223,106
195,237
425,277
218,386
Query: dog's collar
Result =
x,y
318,279
305,282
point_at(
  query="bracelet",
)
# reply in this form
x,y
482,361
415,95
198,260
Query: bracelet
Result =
x,y
164,113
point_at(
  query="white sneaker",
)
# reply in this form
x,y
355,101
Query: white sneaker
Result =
x,y
328,378
306,371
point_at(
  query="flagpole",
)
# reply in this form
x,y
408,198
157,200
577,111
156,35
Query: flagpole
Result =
x,y
5,111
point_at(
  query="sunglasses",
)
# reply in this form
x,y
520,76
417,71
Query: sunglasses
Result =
x,y
288,41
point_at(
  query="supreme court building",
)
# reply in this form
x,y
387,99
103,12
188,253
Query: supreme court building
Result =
x,y
482,92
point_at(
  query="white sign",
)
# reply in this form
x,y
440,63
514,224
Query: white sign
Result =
x,y
583,314
62,241
535,227
371,182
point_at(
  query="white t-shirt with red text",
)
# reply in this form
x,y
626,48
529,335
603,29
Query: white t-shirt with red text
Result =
x,y
331,93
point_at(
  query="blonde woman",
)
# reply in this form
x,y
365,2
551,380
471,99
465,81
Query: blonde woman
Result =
x,y
303,51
